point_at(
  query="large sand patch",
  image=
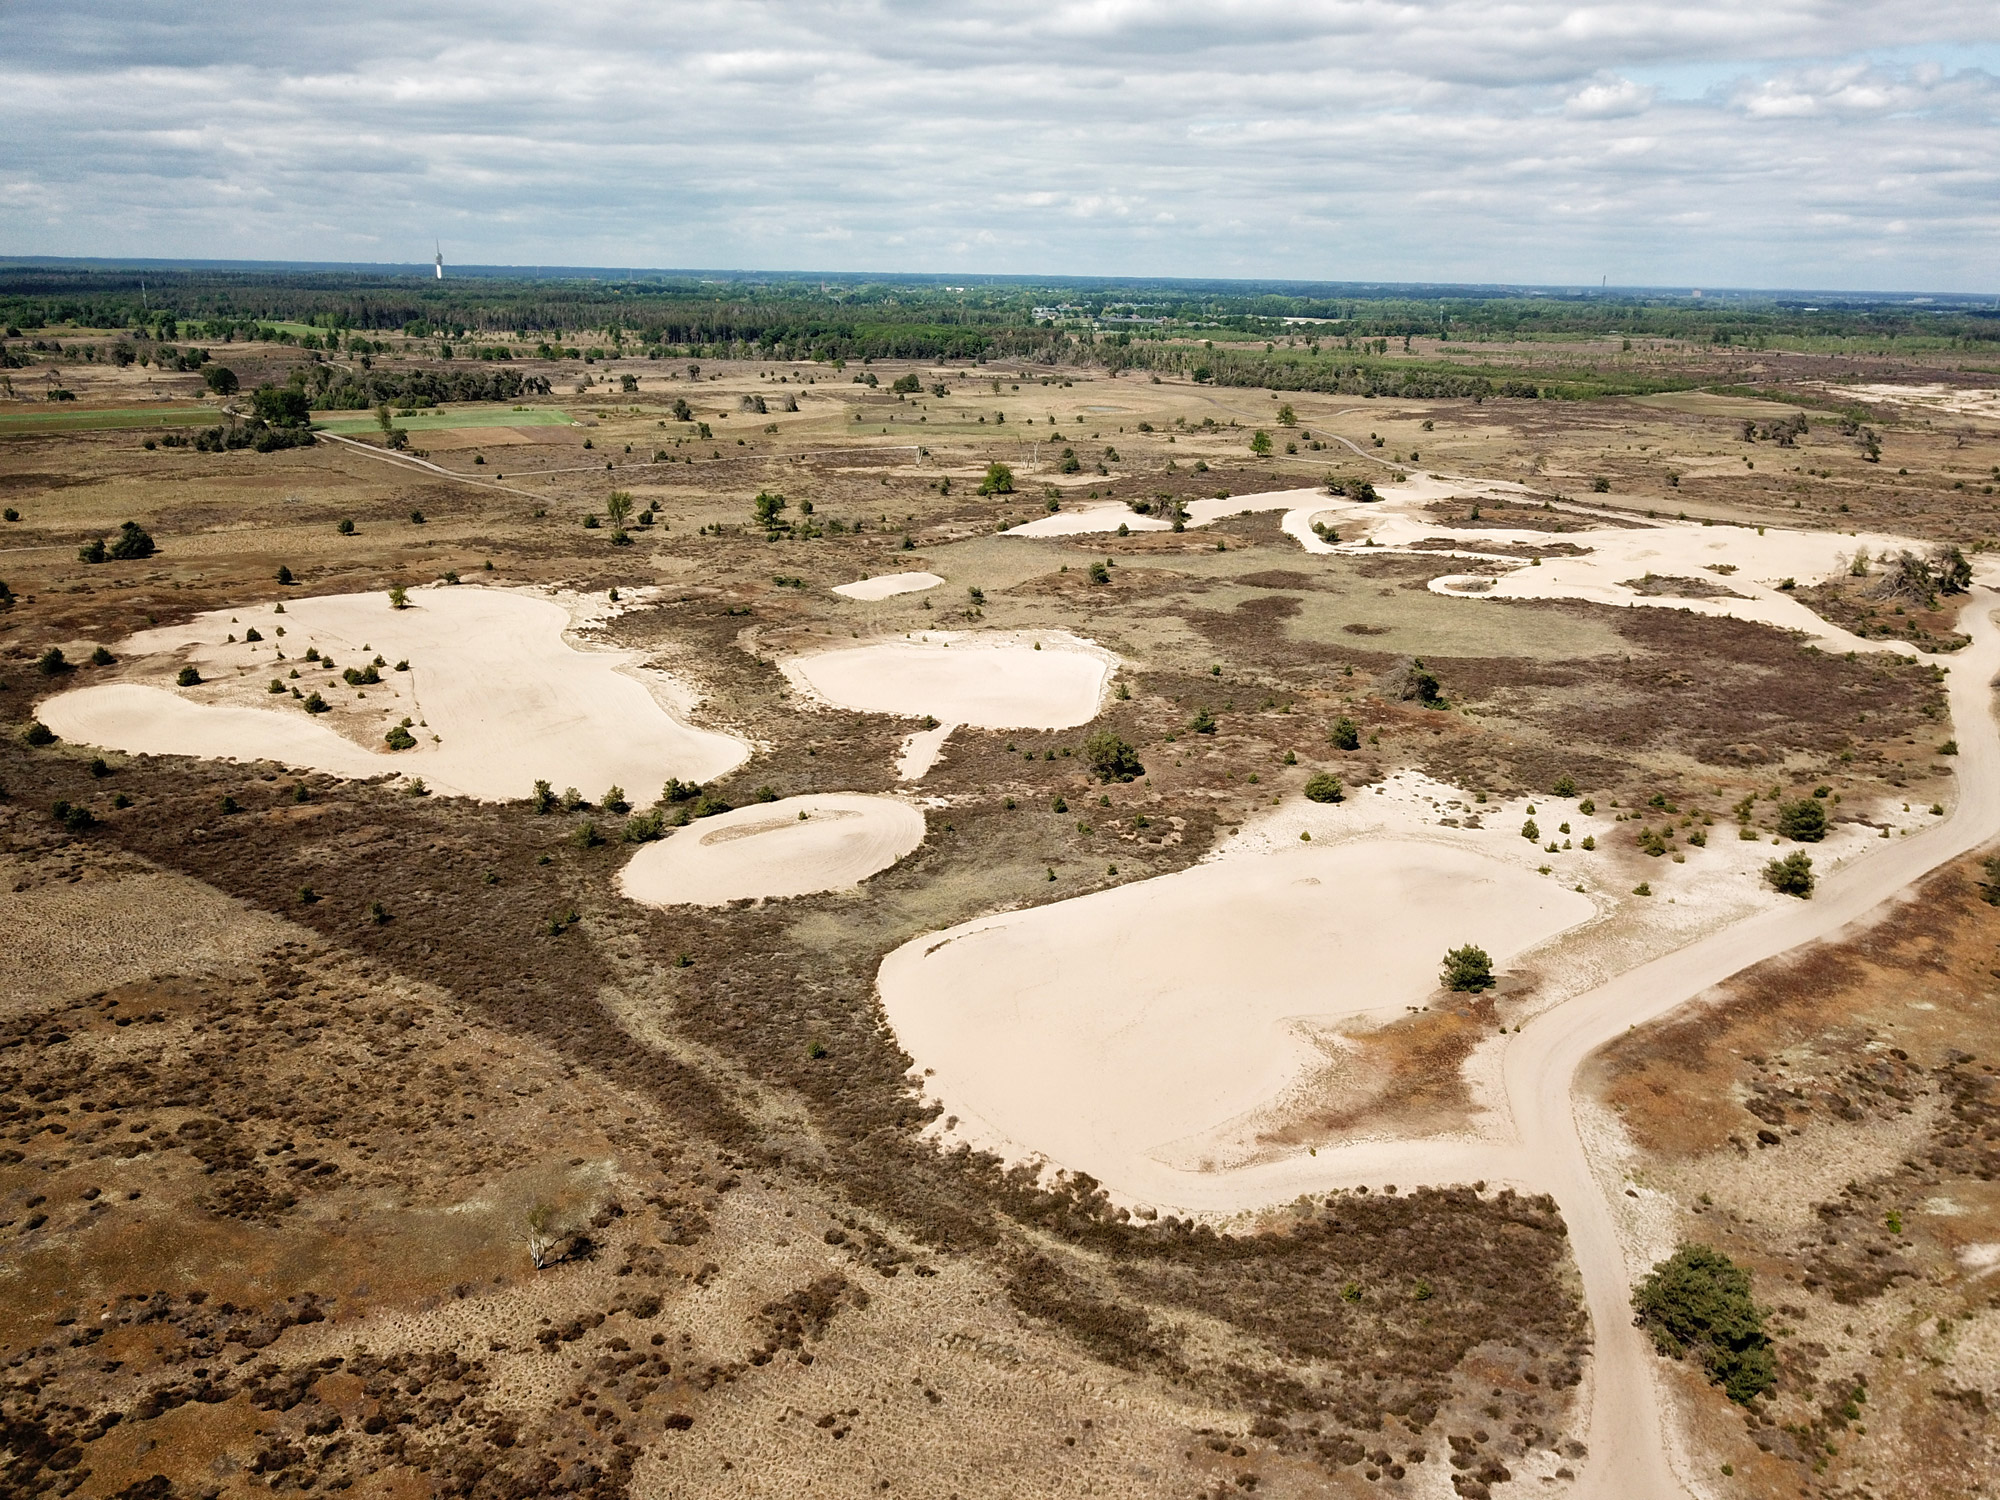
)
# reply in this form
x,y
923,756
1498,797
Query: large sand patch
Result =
x,y
992,682
887,586
1106,1032
786,848
497,695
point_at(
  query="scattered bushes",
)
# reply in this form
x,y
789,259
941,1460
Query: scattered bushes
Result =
x,y
1697,1303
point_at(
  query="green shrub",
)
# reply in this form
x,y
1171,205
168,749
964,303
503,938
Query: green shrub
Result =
x,y
1565,786
1345,735
543,798
400,738
1324,786
614,801
345,526
999,480
133,544
642,828
52,662
1792,875
315,704
399,597
1530,832
1803,821
1203,722
277,685
284,574
1111,758
586,835
92,551
361,676
75,819
707,805
1697,1304
187,677
37,733
1467,970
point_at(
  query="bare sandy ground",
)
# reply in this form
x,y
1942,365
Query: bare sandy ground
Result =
x,y
887,586
1102,1031
1957,400
496,694
1045,681
1751,563
790,847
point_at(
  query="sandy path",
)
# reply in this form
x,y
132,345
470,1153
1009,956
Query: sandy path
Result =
x,y
887,586
499,695
989,681
785,848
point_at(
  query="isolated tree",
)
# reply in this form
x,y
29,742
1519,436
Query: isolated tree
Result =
x,y
1287,417
1324,786
1792,875
1467,970
1111,758
1803,821
1260,443
399,597
1953,572
682,411
999,480
221,379
767,507
132,543
545,1234
619,508
1697,1304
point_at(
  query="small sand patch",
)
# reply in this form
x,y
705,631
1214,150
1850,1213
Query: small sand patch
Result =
x,y
791,847
887,586
990,681
496,696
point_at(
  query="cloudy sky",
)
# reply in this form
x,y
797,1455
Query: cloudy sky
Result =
x,y
1781,143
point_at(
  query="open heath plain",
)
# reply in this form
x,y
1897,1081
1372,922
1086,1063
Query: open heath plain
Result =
x,y
699,891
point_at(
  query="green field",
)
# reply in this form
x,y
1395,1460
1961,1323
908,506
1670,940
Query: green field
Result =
x,y
64,418
347,424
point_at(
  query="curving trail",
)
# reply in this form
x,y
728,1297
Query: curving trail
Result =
x,y
1628,1453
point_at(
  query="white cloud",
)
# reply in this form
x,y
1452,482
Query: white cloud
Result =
x,y
1430,139
1613,100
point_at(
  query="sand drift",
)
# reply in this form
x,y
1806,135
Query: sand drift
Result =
x,y
496,695
791,847
1118,1032
887,586
992,682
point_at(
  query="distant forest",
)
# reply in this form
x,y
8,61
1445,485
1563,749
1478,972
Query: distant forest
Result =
x,y
1286,336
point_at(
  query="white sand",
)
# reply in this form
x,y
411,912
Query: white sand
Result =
x,y
991,681
499,697
1089,518
770,850
1960,401
1758,562
920,751
1103,1031
887,586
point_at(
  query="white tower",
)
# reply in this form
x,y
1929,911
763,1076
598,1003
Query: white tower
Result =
x,y
440,261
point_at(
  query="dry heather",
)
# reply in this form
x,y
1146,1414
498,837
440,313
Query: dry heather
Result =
x,y
338,1110
1832,1121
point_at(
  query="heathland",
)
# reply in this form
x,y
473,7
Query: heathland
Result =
x,y
659,888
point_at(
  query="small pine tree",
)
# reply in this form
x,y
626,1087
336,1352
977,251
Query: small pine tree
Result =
x,y
1468,970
